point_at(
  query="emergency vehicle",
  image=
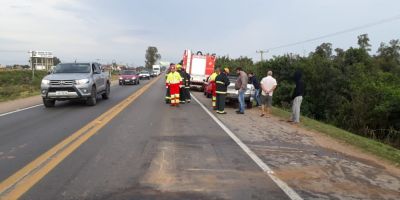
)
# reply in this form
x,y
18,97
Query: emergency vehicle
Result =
x,y
199,66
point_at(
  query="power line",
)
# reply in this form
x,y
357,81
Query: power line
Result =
x,y
338,33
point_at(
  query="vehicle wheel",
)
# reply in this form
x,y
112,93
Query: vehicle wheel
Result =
x,y
48,103
120,83
92,100
249,104
138,82
148,78
106,95
208,95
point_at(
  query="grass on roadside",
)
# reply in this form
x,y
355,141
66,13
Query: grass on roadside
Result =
x,y
16,84
368,145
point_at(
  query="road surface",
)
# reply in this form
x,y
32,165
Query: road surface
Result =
x,y
148,150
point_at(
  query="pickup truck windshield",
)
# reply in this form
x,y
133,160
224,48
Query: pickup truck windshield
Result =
x,y
72,68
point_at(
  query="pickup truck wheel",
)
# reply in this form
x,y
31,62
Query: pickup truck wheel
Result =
x,y
48,103
106,94
92,100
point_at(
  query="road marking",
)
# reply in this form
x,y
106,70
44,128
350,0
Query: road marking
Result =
x,y
20,182
19,110
288,190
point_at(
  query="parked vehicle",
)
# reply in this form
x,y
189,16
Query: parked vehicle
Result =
x,y
199,66
144,75
207,88
232,93
83,81
128,77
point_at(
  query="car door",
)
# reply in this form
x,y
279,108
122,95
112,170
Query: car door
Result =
x,y
101,78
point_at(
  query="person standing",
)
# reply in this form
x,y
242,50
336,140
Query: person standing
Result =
x,y
222,83
174,82
297,97
186,87
241,86
213,89
268,85
167,94
253,80
182,92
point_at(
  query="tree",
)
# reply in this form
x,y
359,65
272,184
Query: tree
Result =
x,y
363,42
56,61
152,56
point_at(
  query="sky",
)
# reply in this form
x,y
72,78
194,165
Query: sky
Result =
x,y
121,30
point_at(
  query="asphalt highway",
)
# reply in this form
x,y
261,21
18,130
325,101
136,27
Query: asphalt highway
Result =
x,y
147,150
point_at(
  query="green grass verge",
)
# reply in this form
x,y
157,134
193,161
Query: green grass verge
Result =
x,y
368,145
15,84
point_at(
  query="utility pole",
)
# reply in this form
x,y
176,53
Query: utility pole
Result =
x,y
261,52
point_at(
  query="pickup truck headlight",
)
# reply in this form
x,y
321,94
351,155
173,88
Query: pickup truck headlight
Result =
x,y
45,82
81,81
133,78
120,78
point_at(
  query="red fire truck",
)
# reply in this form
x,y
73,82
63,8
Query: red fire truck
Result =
x,y
199,66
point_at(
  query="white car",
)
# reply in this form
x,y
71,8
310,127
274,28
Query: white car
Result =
x,y
144,75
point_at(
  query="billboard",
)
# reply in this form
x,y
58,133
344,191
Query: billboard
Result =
x,y
41,54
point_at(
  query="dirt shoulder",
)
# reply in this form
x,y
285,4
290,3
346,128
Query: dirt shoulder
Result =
x,y
315,165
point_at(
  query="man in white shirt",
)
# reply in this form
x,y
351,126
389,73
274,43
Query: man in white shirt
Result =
x,y
268,85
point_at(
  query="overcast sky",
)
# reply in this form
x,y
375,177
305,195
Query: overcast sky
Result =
x,y
87,30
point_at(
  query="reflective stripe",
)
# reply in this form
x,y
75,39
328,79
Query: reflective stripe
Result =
x,y
214,104
214,98
187,87
220,82
177,96
167,97
219,92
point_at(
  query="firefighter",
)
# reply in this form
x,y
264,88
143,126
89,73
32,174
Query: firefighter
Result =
x,y
187,85
168,95
213,89
182,93
222,82
174,82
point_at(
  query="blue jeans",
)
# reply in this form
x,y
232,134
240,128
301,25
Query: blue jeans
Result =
x,y
241,100
257,97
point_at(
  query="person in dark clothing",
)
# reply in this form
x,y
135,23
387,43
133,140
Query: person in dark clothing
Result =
x,y
253,80
222,83
182,95
186,86
297,97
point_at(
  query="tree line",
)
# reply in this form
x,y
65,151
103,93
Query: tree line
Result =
x,y
352,89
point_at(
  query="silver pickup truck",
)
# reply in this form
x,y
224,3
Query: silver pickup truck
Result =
x,y
69,81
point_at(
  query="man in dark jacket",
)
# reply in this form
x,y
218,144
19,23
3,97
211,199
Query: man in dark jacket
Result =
x,y
222,83
297,97
253,80
186,88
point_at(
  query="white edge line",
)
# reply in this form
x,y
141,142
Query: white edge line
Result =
x,y
288,190
19,110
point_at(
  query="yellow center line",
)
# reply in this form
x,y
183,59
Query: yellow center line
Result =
x,y
20,182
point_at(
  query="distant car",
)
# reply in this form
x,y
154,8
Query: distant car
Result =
x,y
128,77
232,93
144,75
